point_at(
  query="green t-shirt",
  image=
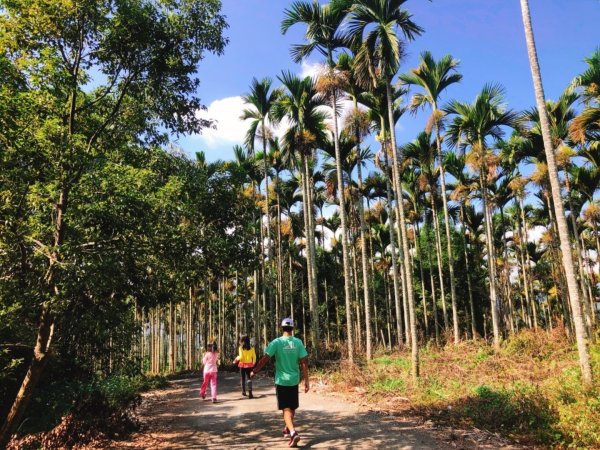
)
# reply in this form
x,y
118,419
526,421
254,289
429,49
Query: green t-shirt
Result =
x,y
288,351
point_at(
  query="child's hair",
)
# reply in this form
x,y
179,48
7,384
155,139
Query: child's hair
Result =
x,y
211,347
245,342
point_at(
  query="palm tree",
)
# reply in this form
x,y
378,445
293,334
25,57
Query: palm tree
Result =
x,y
300,106
434,77
586,126
261,100
375,23
461,192
421,154
473,125
563,231
376,102
323,36
357,126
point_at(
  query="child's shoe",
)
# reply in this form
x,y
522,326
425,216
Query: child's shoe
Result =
x,y
214,400
294,438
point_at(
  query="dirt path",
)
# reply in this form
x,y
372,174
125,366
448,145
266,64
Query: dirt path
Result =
x,y
176,418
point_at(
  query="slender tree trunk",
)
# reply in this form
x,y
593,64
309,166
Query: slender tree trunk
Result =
x,y
468,272
172,348
279,257
405,247
399,330
356,283
528,298
582,275
315,325
312,300
291,287
423,291
268,280
438,254
436,322
563,231
345,245
448,234
491,256
365,267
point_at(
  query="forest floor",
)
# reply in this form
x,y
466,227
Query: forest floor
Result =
x,y
177,418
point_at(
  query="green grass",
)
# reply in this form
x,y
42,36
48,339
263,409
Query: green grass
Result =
x,y
397,385
403,363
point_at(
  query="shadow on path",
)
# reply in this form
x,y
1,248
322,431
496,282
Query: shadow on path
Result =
x,y
177,418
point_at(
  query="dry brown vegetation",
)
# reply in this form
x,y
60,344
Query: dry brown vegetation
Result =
x,y
529,390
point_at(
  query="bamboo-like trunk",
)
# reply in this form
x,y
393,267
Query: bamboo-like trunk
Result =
x,y
423,292
172,346
563,232
344,223
447,229
468,272
525,263
397,307
438,254
407,264
365,267
491,255
309,252
436,321
582,275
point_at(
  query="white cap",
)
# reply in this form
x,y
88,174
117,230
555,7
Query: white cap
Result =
x,y
287,322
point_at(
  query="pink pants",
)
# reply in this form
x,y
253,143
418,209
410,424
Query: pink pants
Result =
x,y
212,378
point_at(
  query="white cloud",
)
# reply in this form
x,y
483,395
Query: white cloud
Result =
x,y
230,129
310,69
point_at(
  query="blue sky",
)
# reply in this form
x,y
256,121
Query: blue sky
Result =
x,y
486,36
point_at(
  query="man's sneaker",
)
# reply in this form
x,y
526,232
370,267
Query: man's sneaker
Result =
x,y
250,395
286,433
244,393
294,438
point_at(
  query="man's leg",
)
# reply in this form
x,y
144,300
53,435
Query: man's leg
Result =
x,y
288,418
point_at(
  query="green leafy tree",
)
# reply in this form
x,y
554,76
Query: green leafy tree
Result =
x,y
144,84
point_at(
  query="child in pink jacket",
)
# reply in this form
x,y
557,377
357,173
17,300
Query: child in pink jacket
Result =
x,y
210,372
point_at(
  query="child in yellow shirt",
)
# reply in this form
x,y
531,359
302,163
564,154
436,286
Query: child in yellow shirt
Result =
x,y
246,359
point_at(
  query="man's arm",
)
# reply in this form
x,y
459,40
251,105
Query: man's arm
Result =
x,y
304,368
265,359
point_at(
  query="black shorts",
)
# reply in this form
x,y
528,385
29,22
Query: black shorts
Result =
x,y
287,397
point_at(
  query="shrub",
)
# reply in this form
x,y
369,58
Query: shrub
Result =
x,y
520,409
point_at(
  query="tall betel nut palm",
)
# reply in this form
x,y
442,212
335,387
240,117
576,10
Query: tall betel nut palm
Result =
x,y
300,106
322,35
434,77
473,126
261,99
375,24
563,231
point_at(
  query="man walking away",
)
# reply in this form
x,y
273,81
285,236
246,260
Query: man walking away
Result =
x,y
290,355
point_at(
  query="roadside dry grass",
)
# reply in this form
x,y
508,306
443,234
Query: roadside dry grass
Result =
x,y
530,390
